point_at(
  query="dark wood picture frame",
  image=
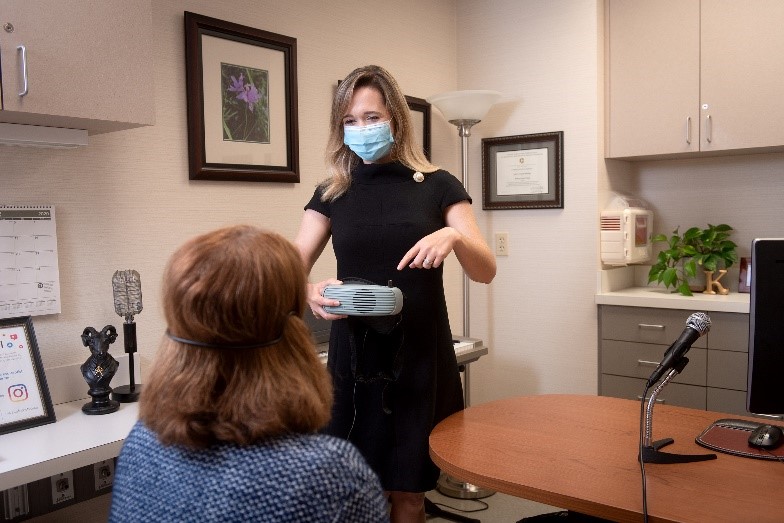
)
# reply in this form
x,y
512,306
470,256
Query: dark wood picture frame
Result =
x,y
420,105
523,172
232,47
23,385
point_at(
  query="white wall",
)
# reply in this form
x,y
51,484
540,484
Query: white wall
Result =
x,y
125,201
538,317
744,191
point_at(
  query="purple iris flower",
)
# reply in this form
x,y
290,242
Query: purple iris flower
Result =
x,y
245,92
237,85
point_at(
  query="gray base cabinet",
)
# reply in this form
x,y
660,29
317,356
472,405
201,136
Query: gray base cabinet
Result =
x,y
632,340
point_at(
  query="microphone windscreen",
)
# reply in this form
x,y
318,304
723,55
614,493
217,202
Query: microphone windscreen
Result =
x,y
700,322
127,289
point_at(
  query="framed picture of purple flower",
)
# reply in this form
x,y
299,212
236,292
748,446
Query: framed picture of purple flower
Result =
x,y
241,87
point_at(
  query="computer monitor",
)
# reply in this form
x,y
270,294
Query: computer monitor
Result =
x,y
765,390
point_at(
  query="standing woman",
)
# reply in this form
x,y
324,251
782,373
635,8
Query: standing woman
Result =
x,y
392,216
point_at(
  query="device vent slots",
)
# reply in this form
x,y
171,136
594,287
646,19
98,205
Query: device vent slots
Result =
x,y
611,223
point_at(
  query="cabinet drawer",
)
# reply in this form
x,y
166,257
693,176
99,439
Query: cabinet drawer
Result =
x,y
727,370
645,325
673,394
729,331
638,360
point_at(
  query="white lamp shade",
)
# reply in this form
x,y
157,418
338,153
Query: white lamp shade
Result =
x,y
464,105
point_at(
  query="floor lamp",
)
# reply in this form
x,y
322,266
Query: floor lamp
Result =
x,y
464,109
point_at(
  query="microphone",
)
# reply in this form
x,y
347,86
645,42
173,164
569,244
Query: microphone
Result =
x,y
697,325
127,290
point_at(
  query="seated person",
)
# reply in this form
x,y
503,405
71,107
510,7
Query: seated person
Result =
x,y
230,414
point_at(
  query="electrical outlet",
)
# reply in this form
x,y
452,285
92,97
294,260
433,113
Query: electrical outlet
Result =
x,y
502,244
104,474
16,502
62,487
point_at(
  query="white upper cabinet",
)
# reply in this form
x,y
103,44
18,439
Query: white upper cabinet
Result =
x,y
77,64
694,76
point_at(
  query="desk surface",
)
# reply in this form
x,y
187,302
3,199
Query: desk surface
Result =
x,y
75,440
580,453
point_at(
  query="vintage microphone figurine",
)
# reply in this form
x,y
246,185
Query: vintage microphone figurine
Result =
x,y
127,289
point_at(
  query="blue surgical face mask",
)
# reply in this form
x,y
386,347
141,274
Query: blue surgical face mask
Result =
x,y
369,142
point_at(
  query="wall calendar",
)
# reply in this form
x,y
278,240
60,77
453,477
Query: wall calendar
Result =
x,y
29,273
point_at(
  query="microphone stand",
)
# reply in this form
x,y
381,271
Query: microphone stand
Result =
x,y
650,452
128,393
126,286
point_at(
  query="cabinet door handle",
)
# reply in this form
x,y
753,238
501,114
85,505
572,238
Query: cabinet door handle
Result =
x,y
648,363
650,326
688,130
658,400
23,68
708,128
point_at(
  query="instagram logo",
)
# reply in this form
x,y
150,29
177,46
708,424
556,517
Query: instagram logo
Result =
x,y
17,392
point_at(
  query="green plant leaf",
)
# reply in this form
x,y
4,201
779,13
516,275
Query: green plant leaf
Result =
x,y
711,262
670,277
692,234
690,268
684,289
659,238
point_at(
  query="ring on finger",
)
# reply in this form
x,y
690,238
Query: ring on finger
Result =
x,y
426,262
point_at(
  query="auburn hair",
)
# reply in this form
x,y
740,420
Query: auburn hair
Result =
x,y
340,159
235,286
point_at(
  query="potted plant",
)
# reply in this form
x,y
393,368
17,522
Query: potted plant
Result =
x,y
708,248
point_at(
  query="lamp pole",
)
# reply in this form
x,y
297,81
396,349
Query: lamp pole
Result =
x,y
464,130
464,109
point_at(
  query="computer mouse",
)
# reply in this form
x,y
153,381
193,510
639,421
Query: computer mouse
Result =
x,y
766,437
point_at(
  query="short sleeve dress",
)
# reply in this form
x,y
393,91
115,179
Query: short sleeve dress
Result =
x,y
381,216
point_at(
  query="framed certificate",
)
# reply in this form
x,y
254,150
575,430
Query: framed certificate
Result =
x,y
523,172
24,394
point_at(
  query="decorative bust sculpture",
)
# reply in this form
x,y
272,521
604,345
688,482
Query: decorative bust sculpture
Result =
x,y
99,369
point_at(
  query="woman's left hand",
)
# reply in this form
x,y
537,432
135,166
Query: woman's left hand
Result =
x,y
460,235
430,251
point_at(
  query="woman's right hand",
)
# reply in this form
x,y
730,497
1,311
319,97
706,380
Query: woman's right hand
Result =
x,y
317,302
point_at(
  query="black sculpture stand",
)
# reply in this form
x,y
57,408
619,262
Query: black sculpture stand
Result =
x,y
101,404
99,369
650,453
128,393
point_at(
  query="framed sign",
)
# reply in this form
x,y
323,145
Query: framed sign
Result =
x,y
24,394
523,172
242,102
744,276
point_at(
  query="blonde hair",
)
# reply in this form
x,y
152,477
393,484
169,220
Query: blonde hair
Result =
x,y
235,286
340,159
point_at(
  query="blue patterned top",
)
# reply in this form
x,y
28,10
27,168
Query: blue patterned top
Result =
x,y
296,478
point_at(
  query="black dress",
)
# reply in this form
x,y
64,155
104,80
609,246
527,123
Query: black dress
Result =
x,y
382,215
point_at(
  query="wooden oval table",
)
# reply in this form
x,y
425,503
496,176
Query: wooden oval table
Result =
x,y
580,453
